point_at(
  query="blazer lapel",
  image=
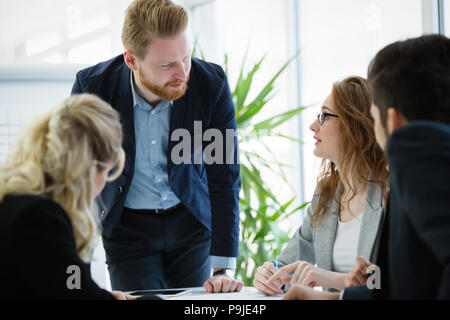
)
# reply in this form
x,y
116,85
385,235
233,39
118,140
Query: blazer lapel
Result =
x,y
177,119
371,220
326,234
124,104
177,115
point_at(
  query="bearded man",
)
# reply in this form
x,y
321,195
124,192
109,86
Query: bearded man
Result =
x,y
167,223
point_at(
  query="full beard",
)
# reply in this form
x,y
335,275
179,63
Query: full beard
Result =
x,y
165,92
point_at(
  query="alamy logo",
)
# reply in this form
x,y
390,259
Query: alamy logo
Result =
x,y
74,280
219,143
374,280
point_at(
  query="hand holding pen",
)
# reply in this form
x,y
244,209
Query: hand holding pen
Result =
x,y
263,273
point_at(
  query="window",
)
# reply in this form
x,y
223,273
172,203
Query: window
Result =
x,y
82,31
254,28
446,15
337,39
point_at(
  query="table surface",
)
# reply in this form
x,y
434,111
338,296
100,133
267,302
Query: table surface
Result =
x,y
247,293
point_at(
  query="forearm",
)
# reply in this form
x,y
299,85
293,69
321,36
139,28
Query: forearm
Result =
x,y
224,226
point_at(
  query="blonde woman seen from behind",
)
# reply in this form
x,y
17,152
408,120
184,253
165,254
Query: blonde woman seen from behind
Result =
x,y
48,214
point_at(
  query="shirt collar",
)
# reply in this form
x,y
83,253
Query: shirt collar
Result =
x,y
139,102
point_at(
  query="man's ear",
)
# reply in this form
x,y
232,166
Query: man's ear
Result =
x,y
394,120
130,60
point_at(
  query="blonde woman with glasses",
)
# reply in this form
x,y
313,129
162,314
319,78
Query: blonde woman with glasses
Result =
x,y
48,214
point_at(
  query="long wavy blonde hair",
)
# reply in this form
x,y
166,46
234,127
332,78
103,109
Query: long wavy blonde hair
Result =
x,y
55,157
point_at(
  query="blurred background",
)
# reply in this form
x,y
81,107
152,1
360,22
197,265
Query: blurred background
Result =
x,y
43,43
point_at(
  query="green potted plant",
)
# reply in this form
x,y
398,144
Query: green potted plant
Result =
x,y
261,238
261,212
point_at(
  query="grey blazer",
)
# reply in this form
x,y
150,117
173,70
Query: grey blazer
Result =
x,y
315,245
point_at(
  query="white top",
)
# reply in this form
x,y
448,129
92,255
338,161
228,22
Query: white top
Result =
x,y
345,244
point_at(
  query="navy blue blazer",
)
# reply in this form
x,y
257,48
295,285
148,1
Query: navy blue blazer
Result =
x,y
414,255
209,191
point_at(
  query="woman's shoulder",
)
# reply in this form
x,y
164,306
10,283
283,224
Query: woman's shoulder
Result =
x,y
28,199
39,206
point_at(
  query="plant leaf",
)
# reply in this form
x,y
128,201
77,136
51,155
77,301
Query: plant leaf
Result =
x,y
260,101
278,119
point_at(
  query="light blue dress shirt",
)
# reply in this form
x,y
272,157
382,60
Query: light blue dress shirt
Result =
x,y
150,187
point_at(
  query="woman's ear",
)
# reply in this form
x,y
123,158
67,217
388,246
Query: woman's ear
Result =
x,y
394,120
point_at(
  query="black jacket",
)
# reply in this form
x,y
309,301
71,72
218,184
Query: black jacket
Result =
x,y
37,245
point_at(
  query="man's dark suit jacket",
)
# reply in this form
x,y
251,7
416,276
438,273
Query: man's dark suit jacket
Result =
x,y
414,255
209,192
37,244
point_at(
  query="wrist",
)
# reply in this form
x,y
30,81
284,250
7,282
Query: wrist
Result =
x,y
339,282
333,296
223,272
330,279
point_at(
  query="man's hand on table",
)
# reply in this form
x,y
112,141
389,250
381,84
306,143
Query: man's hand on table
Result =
x,y
224,282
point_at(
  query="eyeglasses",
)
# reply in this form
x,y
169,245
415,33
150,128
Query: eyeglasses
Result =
x,y
321,117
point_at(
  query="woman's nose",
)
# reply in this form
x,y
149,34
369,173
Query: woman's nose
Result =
x,y
314,126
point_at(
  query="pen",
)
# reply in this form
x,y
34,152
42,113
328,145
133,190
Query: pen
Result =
x,y
275,264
